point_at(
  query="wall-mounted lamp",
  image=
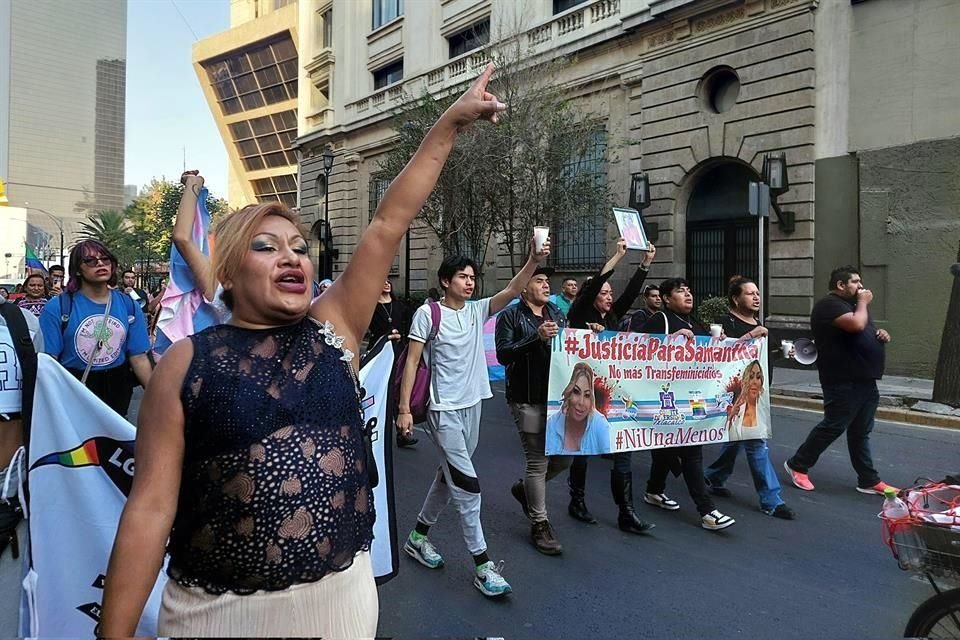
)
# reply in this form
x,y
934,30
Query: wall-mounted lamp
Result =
x,y
775,176
640,200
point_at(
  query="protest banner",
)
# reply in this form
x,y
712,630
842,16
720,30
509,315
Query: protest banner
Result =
x,y
612,392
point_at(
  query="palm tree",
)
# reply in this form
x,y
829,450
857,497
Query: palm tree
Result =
x,y
113,230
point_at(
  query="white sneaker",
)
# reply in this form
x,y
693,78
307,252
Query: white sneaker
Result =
x,y
424,552
714,521
661,500
489,581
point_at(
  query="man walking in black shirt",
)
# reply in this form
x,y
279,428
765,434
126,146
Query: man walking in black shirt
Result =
x,y
851,360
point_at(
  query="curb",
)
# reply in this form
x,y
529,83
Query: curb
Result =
x,y
883,413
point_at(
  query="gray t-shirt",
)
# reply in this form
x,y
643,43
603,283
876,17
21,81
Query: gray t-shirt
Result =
x,y
456,358
10,381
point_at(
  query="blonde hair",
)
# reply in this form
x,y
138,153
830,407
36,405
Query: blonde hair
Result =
x,y
233,235
581,369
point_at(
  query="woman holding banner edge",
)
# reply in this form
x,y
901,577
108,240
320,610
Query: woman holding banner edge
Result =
x,y
594,308
741,321
230,574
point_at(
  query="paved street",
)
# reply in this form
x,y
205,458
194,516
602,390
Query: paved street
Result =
x,y
826,574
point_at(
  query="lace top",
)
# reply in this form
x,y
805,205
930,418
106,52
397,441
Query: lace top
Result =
x,y
274,489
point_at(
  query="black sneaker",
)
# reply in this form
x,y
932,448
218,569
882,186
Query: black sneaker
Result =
x,y
518,492
781,511
717,489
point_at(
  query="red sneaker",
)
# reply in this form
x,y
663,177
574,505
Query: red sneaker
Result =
x,y
800,480
877,489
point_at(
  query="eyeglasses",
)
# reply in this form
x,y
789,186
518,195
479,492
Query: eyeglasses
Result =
x,y
92,261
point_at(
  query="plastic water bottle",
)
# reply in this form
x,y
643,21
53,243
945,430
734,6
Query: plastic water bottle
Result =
x,y
896,515
893,507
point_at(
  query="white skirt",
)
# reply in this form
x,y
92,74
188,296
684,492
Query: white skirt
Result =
x,y
340,605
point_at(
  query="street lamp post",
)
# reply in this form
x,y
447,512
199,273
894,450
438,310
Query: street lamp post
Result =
x,y
57,221
328,159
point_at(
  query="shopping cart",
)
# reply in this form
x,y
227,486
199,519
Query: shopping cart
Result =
x,y
927,542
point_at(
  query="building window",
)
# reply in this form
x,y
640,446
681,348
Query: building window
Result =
x,y
265,142
263,73
378,187
277,188
327,17
474,37
559,6
580,241
386,10
388,75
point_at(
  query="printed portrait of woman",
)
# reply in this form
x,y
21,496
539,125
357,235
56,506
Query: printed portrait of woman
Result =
x,y
578,428
747,417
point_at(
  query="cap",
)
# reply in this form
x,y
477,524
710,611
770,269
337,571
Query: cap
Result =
x,y
543,271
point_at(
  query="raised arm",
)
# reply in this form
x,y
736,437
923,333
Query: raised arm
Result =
x,y
149,512
183,234
350,300
635,286
512,290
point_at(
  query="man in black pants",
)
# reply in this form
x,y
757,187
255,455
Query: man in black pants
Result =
x,y
677,318
595,309
850,361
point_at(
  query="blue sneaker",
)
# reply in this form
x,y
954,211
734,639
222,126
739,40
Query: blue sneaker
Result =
x,y
490,582
423,552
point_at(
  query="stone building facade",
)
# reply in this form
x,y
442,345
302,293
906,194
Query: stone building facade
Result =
x,y
693,94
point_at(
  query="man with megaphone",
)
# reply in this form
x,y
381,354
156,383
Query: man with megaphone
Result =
x,y
850,361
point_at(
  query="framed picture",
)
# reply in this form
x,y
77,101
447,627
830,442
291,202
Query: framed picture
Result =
x,y
631,229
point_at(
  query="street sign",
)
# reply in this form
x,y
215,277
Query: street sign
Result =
x,y
759,201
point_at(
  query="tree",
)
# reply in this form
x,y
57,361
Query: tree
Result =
x,y
153,212
113,230
502,181
946,383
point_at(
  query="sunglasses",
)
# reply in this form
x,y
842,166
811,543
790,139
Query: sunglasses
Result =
x,y
92,261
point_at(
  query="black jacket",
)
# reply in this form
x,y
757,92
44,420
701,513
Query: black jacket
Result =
x,y
523,353
582,310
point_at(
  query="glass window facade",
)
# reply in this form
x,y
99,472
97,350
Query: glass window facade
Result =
x,y
262,74
265,142
282,188
474,37
581,240
388,75
378,187
386,10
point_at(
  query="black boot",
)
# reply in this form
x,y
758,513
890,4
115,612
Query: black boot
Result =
x,y
621,484
577,481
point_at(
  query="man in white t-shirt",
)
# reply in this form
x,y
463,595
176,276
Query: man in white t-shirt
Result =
x,y
458,385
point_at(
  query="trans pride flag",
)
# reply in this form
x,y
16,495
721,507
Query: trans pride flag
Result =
x,y
183,310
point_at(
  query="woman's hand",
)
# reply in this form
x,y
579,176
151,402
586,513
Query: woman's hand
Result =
x,y
685,333
191,179
651,254
394,335
596,327
759,332
405,423
548,330
476,104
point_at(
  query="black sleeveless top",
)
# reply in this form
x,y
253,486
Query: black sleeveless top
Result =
x,y
274,489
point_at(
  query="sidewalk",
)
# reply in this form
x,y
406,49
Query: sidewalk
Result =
x,y
901,399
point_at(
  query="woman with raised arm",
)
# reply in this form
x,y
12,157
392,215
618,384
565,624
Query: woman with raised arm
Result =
x,y
250,449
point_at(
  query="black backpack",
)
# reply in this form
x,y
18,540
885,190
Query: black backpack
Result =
x,y
11,511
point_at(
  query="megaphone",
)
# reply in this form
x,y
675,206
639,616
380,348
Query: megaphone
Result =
x,y
804,351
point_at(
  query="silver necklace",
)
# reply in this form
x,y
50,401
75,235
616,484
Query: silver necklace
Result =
x,y
387,311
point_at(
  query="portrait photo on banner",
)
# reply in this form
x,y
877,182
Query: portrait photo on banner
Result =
x,y
631,228
611,392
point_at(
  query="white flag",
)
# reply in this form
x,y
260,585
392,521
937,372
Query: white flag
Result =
x,y
80,472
